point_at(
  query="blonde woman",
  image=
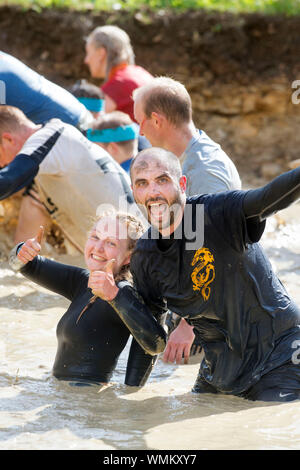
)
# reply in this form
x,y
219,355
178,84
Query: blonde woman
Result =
x,y
91,334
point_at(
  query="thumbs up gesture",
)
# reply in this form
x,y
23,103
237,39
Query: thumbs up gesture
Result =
x,y
31,248
102,283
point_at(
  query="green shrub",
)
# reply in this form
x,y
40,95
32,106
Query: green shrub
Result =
x,y
287,7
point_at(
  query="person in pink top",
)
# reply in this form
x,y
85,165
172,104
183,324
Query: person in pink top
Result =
x,y
110,56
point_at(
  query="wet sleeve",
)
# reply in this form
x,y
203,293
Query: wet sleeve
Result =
x,y
277,195
21,171
139,319
139,365
60,278
144,283
225,213
258,204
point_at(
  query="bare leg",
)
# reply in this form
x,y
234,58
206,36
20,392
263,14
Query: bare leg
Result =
x,y
32,215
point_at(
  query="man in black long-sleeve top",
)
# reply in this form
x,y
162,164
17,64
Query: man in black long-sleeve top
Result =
x,y
202,260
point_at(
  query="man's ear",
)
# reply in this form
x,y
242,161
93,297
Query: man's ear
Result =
x,y
112,145
157,119
102,53
7,138
112,148
110,104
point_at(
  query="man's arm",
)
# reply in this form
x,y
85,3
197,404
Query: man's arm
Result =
x,y
138,316
258,204
17,175
139,319
21,171
281,192
179,343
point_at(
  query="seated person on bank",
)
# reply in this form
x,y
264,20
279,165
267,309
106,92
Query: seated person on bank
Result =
x,y
118,135
91,335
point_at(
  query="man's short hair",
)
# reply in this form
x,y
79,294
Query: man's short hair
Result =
x,y
169,159
114,120
11,119
116,42
165,96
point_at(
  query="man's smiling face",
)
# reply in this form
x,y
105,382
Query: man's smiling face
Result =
x,y
158,191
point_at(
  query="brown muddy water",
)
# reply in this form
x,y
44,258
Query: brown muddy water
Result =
x,y
39,412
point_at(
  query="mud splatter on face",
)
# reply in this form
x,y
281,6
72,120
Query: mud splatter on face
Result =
x,y
146,163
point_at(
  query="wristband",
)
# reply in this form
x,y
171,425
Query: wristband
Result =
x,y
15,263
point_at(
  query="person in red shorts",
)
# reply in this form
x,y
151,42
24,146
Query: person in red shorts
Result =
x,y
110,56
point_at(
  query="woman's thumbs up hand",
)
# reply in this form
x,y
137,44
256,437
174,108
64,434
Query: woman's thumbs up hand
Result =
x,y
31,248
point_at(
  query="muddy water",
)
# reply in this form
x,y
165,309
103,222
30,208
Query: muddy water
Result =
x,y
39,412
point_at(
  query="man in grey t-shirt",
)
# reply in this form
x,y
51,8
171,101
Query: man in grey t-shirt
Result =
x,y
163,109
207,167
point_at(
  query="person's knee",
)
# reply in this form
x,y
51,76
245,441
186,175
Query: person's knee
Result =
x,y
31,216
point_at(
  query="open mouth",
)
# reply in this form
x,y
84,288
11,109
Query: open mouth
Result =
x,y
97,258
158,210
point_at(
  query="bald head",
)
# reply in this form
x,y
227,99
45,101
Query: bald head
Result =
x,y
156,157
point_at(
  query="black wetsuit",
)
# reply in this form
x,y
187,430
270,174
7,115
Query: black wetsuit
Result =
x,y
226,289
22,170
88,350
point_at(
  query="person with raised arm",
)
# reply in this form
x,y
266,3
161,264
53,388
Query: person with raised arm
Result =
x,y
91,335
201,259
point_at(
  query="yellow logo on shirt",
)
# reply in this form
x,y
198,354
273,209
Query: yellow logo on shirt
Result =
x,y
204,272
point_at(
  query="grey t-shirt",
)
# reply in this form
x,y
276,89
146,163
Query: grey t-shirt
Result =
x,y
207,167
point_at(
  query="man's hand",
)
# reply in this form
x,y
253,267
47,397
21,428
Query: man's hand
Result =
x,y
31,248
102,283
179,343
